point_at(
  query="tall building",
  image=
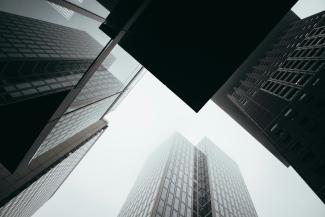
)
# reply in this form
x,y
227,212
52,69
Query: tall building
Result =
x,y
277,95
182,180
58,79
40,63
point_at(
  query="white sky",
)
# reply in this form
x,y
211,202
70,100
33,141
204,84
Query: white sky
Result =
x,y
148,115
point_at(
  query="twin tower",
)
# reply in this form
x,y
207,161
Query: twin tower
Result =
x,y
183,180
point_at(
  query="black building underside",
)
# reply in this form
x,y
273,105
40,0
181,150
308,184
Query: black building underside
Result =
x,y
193,47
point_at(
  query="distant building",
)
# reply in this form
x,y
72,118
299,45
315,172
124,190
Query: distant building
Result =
x,y
181,180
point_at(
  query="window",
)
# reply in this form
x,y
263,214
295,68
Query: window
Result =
x,y
288,112
160,206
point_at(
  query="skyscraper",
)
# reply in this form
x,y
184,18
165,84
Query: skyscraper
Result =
x,y
277,95
40,63
58,78
182,180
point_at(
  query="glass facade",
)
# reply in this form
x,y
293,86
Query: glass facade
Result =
x,y
59,75
38,57
101,85
27,202
43,11
49,50
124,67
92,6
72,123
229,194
189,181
176,194
201,186
141,199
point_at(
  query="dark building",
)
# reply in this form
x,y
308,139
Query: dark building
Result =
x,y
59,77
205,42
277,95
181,180
109,4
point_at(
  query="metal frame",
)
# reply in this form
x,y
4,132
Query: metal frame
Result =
x,y
85,78
78,9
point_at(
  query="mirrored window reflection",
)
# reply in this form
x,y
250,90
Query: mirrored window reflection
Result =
x,y
47,11
92,6
39,58
122,65
127,90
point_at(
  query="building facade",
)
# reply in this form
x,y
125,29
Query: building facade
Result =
x,y
278,96
31,196
59,76
182,180
229,194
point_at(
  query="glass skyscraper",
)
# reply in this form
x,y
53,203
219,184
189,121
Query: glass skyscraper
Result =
x,y
183,180
59,76
28,201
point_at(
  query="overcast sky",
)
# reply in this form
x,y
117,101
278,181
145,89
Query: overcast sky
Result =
x,y
147,116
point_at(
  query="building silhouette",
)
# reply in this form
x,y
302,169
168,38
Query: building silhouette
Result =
x,y
203,47
277,95
180,179
57,82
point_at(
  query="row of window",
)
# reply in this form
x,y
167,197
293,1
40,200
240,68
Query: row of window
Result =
x,y
176,196
240,99
305,65
47,34
141,199
317,31
293,78
102,84
314,41
314,52
280,90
